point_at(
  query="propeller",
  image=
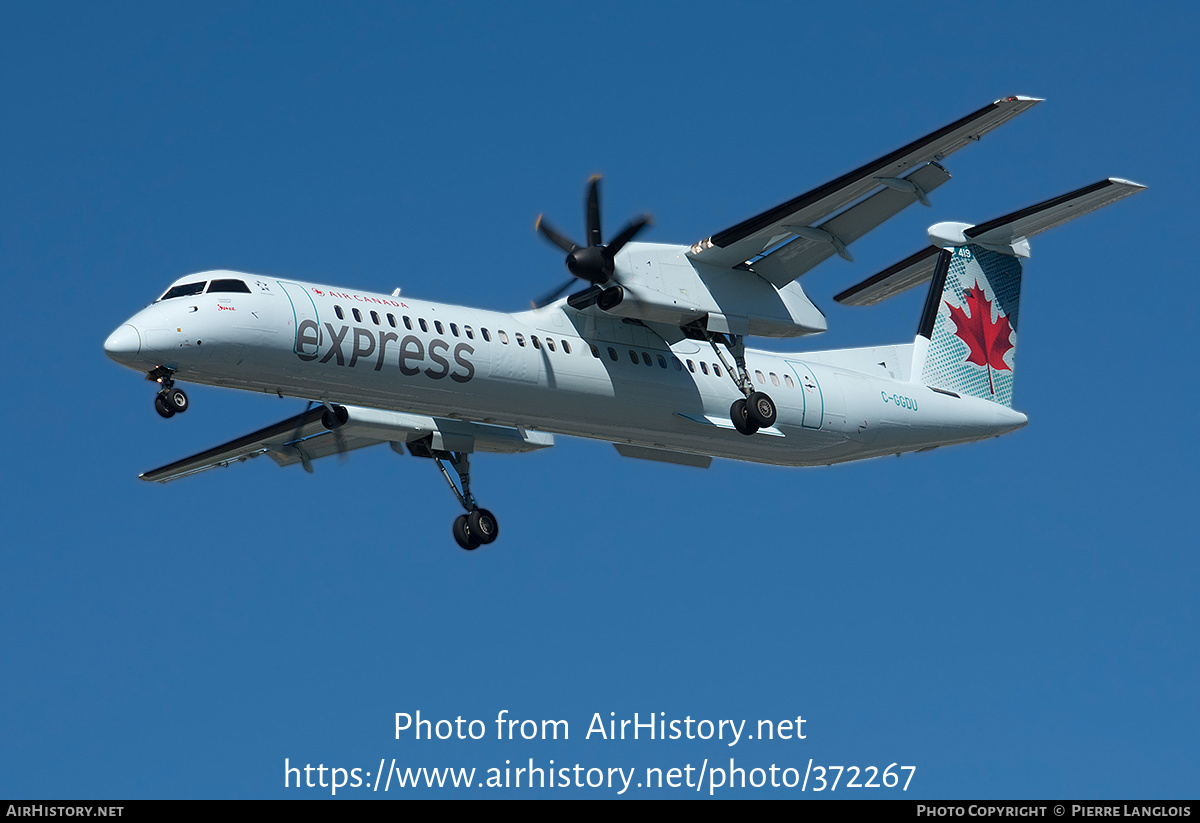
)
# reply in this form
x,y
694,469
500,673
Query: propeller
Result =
x,y
332,422
593,262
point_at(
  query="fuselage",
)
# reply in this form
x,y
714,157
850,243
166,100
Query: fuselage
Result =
x,y
553,369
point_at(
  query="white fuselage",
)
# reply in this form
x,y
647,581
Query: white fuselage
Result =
x,y
553,369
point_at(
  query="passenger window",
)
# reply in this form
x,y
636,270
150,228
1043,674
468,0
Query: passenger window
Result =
x,y
470,332
503,337
566,347
357,315
392,320
691,367
437,324
454,329
421,322
595,351
675,362
536,344
716,370
550,343
787,378
662,362
633,356
774,379
646,359
375,318
338,311
520,340
487,336
703,367
760,377
228,286
612,353
407,323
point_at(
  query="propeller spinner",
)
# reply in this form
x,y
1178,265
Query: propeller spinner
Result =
x,y
595,261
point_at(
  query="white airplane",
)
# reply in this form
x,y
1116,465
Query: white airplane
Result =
x,y
650,355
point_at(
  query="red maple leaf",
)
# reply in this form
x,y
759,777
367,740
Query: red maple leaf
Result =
x,y
988,341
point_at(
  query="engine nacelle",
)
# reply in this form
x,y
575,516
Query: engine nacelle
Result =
x,y
662,285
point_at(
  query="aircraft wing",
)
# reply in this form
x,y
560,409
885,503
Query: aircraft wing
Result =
x,y
304,438
784,242
1010,232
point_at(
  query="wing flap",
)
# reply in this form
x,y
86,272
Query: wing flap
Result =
x,y
752,237
272,440
700,461
303,438
793,259
909,272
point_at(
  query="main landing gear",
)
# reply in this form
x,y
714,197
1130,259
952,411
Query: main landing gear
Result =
x,y
756,410
478,526
170,400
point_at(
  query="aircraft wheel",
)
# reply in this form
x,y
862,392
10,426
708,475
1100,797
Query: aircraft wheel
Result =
x,y
482,524
463,534
760,408
740,419
160,406
175,400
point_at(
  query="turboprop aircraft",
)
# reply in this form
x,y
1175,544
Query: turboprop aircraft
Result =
x,y
650,355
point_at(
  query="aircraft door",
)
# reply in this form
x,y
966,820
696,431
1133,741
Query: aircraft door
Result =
x,y
814,400
304,308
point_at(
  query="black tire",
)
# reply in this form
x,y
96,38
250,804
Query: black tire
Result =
x,y
463,534
760,408
739,418
160,406
175,400
482,523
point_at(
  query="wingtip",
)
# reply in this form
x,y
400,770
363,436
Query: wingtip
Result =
x,y
1021,98
1120,181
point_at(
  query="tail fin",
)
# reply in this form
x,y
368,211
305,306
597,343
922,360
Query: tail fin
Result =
x,y
968,334
969,327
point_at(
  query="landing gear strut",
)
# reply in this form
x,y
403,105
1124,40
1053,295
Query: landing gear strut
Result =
x,y
170,400
478,526
755,410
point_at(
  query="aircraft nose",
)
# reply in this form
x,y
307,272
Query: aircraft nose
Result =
x,y
124,342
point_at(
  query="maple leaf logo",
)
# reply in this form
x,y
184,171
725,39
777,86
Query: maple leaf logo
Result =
x,y
988,341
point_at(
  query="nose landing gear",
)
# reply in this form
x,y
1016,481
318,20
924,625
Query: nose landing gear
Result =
x,y
170,400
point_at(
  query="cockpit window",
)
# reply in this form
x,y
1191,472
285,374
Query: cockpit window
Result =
x,y
186,290
228,286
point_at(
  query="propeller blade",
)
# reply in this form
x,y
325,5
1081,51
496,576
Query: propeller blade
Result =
x,y
593,212
553,236
628,233
547,299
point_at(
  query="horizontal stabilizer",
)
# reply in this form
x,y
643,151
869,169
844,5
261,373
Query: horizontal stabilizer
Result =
x,y
1007,235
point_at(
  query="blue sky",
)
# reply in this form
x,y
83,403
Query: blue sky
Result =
x,y
1016,618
